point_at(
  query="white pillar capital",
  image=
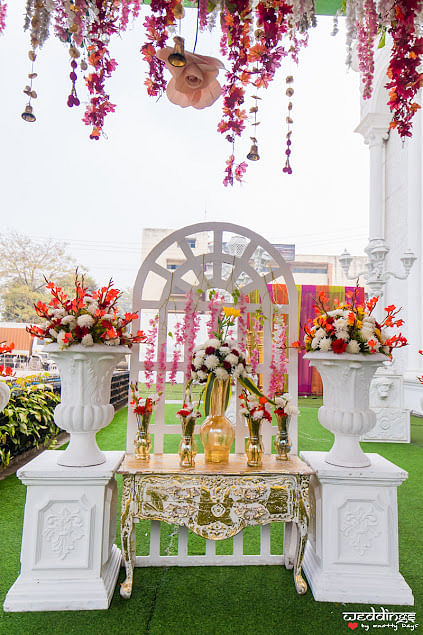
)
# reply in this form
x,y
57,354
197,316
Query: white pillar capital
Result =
x,y
374,128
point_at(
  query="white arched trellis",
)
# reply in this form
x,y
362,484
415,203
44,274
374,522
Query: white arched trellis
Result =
x,y
215,262
212,265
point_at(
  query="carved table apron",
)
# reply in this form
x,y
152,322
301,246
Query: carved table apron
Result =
x,y
216,501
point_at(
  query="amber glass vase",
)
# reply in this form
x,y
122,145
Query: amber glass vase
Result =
x,y
142,442
282,442
187,445
254,448
217,433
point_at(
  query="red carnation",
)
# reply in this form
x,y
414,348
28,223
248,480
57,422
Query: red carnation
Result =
x,y
339,346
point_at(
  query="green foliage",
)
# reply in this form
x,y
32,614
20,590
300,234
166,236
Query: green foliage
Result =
x,y
27,421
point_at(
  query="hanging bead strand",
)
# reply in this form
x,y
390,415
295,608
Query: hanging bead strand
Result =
x,y
289,92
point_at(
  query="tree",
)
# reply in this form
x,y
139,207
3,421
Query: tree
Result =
x,y
23,264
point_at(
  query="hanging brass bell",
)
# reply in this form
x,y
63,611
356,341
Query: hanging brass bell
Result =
x,y
27,114
177,58
253,154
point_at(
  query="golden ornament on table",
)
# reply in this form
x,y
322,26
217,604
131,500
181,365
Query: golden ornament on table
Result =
x,y
187,449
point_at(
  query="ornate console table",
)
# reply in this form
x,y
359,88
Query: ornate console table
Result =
x,y
217,501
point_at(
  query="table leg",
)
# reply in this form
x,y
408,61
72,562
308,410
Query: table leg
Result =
x,y
289,544
300,583
128,538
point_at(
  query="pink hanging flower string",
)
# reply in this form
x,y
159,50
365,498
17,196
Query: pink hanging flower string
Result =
x,y
278,365
150,351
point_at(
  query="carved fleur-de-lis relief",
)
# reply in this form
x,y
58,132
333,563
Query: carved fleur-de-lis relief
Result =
x,y
359,526
63,530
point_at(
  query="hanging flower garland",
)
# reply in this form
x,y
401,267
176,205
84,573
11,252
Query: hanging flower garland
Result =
x,y
256,36
403,69
3,9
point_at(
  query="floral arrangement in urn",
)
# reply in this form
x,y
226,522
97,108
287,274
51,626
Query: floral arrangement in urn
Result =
x,y
89,318
255,407
351,328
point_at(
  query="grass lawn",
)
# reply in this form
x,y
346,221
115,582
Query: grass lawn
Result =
x,y
217,600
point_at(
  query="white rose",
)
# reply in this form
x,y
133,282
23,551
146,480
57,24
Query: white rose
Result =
x,y
325,344
87,340
353,347
85,320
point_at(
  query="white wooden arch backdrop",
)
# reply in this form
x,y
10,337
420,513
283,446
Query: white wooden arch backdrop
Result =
x,y
211,268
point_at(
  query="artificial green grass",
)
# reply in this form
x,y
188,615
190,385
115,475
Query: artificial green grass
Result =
x,y
217,600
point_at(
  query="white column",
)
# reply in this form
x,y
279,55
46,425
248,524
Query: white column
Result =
x,y
374,129
69,561
352,552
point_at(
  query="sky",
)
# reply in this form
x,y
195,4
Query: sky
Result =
x,y
162,166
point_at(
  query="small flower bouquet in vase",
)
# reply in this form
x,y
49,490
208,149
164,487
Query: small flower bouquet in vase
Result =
x,y
255,409
143,408
87,337
187,449
284,409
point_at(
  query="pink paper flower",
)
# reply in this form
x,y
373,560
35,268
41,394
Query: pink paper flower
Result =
x,y
194,84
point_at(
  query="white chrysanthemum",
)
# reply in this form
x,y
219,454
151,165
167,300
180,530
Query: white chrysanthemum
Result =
x,y
320,333
325,344
200,353
53,334
369,319
385,349
315,343
221,373
198,348
231,344
58,313
341,323
69,319
257,415
198,361
211,361
61,337
343,335
366,333
280,402
85,320
232,359
213,342
87,340
353,347
108,316
291,409
115,341
201,375
92,307
383,336
224,350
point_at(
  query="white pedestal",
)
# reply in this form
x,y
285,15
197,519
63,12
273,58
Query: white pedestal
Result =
x,y
352,552
68,558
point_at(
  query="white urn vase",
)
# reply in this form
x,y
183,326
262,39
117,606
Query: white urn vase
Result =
x,y
345,412
4,395
85,408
